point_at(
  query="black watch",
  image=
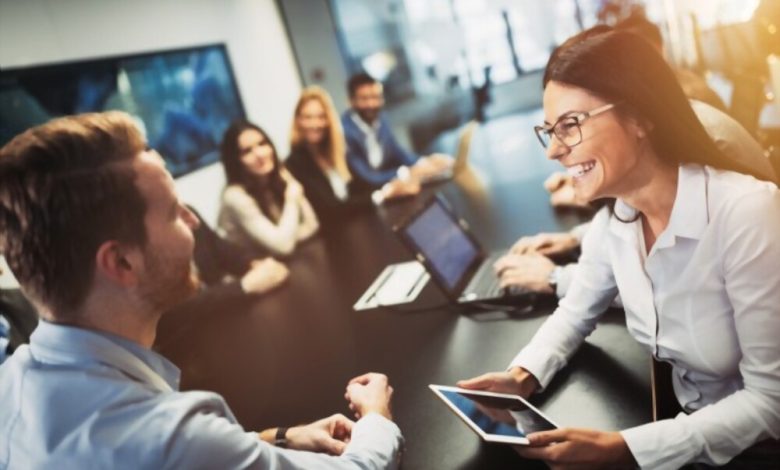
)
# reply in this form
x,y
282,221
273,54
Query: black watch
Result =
x,y
281,438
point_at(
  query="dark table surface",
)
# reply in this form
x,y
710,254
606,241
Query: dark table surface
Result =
x,y
285,359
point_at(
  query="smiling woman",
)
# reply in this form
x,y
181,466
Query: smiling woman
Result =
x,y
689,245
263,206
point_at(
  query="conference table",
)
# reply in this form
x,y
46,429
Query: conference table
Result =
x,y
285,358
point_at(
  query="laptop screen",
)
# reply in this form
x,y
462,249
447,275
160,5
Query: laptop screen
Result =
x,y
439,237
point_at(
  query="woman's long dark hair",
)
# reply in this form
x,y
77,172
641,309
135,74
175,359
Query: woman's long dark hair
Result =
x,y
266,191
623,68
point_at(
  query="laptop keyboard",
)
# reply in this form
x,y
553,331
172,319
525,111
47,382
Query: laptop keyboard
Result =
x,y
485,283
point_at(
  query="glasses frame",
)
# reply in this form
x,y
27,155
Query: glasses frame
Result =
x,y
580,117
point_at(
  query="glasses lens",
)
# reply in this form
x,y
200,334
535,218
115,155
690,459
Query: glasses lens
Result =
x,y
568,131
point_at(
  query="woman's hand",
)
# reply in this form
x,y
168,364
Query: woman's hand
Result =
x,y
578,448
531,271
516,380
263,276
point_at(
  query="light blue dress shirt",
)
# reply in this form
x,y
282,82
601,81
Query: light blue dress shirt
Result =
x,y
77,398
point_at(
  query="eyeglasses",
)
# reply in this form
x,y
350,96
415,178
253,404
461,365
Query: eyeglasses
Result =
x,y
568,127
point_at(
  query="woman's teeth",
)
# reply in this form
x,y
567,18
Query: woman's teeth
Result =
x,y
580,169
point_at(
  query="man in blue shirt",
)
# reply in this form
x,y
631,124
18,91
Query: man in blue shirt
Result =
x,y
93,230
373,153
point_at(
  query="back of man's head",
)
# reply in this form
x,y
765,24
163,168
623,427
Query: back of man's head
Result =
x,y
358,80
66,187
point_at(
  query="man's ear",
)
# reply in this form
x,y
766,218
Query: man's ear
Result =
x,y
118,264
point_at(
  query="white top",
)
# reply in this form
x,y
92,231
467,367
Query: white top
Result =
x,y
706,300
243,222
337,184
373,148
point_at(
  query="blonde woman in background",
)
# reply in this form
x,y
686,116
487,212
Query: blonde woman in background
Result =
x,y
318,161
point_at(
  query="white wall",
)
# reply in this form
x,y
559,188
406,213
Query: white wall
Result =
x,y
44,31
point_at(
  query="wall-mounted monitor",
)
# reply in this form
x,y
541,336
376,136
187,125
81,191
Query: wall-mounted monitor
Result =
x,y
184,99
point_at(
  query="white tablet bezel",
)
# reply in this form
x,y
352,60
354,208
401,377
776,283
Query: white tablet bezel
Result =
x,y
437,389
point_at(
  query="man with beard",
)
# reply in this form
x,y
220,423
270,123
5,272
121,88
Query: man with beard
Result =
x,y
373,153
93,230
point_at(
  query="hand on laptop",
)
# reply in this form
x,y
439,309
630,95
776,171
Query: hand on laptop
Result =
x,y
546,244
329,435
369,393
516,380
531,271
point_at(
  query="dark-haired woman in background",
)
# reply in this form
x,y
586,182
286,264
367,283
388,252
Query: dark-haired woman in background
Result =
x,y
690,244
263,206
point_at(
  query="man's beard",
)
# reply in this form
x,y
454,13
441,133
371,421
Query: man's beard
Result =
x,y
168,283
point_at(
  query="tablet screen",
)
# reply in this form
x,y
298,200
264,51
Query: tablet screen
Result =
x,y
496,414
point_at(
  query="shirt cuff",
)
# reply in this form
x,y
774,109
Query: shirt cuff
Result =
x,y
404,173
662,444
374,431
565,275
378,197
542,365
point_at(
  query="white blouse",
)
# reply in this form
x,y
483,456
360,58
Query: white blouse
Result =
x,y
242,222
706,299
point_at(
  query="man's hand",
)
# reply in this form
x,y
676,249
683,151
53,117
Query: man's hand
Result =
x,y
264,275
517,381
531,271
369,393
578,448
329,435
545,243
431,166
397,188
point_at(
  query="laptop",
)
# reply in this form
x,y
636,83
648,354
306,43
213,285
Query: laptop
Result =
x,y
461,160
453,256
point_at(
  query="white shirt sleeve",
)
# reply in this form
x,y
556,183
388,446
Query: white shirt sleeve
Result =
x,y
718,432
209,441
279,238
590,293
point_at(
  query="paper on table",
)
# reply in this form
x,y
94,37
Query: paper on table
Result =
x,y
396,284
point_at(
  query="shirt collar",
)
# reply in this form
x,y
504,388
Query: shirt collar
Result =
x,y
363,125
54,343
690,212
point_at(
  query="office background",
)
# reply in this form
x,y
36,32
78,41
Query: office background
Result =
x,y
432,53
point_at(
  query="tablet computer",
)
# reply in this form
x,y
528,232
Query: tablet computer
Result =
x,y
496,417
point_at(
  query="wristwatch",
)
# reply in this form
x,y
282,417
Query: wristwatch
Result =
x,y
281,438
554,278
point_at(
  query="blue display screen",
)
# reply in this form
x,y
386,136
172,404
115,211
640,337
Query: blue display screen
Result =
x,y
443,242
498,415
184,100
